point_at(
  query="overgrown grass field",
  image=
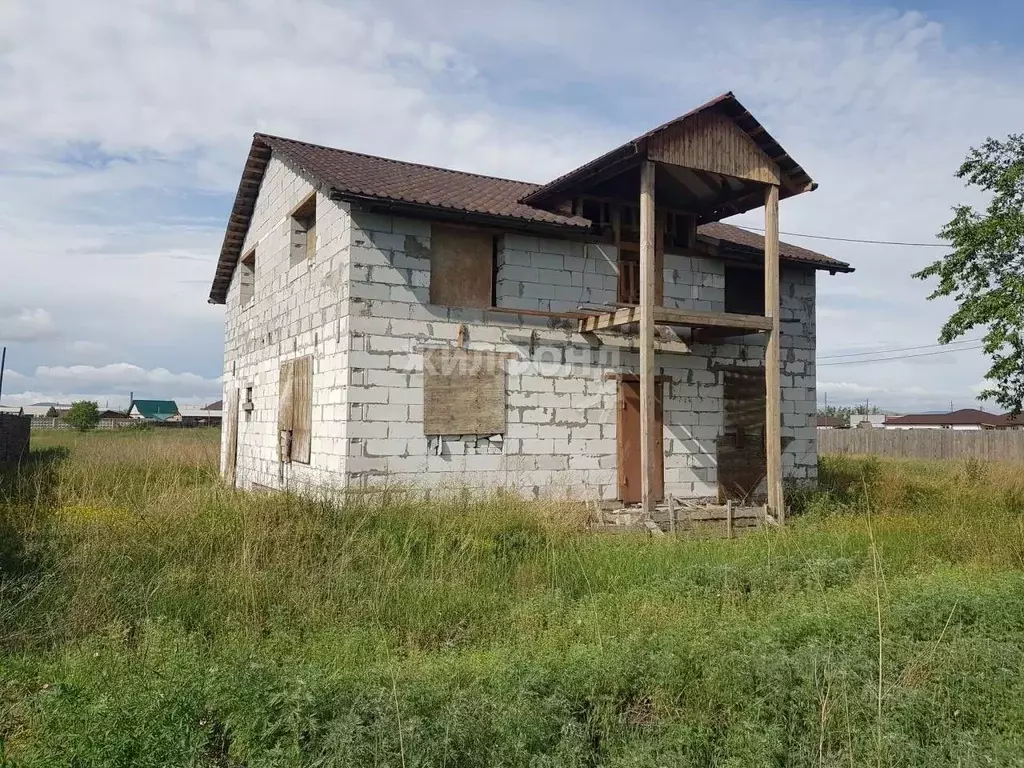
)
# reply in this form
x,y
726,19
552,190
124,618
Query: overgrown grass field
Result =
x,y
150,617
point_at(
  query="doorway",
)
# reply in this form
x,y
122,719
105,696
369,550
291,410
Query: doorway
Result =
x,y
630,480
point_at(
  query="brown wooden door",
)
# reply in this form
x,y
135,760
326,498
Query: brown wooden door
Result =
x,y
630,481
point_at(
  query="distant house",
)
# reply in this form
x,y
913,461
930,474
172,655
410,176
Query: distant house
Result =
x,y
963,419
205,416
107,413
867,420
43,410
154,410
832,422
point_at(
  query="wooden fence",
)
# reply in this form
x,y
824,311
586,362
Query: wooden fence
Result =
x,y
950,444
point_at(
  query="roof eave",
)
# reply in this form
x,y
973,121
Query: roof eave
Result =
x,y
240,217
437,213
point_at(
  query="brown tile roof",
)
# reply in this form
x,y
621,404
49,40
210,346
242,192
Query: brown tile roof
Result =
x,y
743,238
833,421
427,190
962,417
380,178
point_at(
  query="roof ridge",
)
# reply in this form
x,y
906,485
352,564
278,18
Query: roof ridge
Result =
x,y
260,136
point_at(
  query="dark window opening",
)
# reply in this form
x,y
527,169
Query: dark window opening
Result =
x,y
247,279
304,231
681,230
744,291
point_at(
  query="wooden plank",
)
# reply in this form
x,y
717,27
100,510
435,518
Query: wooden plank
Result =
x,y
302,408
231,443
461,266
711,142
701,319
285,419
463,392
772,377
670,316
647,301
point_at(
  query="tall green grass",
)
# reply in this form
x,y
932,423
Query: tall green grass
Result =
x,y
149,616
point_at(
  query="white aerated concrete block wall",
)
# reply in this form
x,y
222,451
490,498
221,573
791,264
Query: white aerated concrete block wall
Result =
x,y
561,405
555,275
697,401
296,310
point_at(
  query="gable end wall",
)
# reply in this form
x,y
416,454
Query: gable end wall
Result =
x,y
296,310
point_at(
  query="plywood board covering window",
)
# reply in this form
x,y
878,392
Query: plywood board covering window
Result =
x,y
303,229
463,392
295,409
461,267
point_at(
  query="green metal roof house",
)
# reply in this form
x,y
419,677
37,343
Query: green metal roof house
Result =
x,y
154,410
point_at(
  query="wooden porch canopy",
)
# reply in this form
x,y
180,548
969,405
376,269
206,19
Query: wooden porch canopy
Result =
x,y
713,162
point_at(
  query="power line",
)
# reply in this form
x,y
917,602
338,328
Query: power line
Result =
x,y
849,239
901,357
899,349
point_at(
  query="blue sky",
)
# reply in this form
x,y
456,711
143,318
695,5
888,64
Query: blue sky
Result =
x,y
125,127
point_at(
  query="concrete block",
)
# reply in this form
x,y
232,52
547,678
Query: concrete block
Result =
x,y
389,412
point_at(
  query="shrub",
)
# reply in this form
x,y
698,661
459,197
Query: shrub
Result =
x,y
83,415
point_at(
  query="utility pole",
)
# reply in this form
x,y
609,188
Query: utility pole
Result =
x,y
3,362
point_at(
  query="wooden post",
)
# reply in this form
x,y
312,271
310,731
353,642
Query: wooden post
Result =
x,y
728,518
648,284
772,381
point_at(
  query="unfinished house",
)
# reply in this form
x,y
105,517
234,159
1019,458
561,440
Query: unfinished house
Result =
x,y
601,336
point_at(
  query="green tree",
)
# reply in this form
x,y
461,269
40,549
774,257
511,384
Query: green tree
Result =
x,y
984,273
83,415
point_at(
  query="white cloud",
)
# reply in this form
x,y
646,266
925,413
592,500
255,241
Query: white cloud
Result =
x,y
26,324
119,374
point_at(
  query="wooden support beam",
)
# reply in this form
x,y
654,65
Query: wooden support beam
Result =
x,y
669,316
540,313
648,290
772,374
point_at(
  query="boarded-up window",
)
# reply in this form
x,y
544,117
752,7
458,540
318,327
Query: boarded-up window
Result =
x,y
295,409
744,291
461,267
303,224
741,458
463,392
